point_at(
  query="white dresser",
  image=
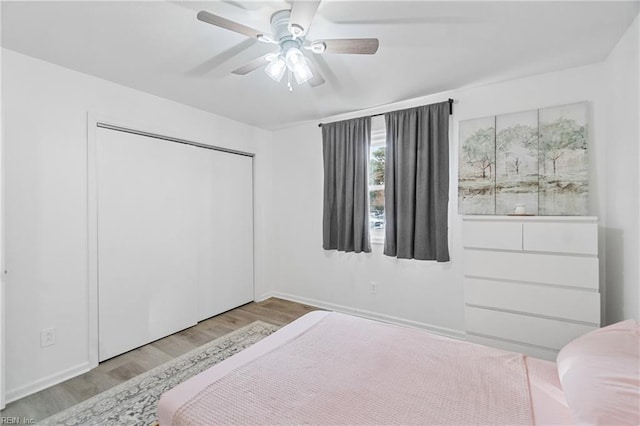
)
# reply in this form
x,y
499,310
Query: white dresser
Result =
x,y
531,282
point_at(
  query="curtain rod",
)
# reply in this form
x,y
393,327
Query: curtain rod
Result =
x,y
383,113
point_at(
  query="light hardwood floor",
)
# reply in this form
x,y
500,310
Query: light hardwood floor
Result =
x,y
126,366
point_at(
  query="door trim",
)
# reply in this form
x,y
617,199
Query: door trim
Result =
x,y
169,138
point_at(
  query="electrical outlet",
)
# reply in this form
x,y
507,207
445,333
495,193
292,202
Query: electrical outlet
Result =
x,y
47,337
373,289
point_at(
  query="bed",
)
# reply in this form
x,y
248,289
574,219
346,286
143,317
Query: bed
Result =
x,y
332,368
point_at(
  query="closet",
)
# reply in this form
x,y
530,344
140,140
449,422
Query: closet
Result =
x,y
174,235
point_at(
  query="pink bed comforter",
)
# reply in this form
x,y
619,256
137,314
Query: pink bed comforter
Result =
x,y
348,370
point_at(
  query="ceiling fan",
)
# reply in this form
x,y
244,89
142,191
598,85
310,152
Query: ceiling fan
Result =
x,y
289,30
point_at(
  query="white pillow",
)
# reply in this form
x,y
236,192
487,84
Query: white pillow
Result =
x,y
600,375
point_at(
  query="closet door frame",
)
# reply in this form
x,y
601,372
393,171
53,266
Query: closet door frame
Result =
x,y
95,122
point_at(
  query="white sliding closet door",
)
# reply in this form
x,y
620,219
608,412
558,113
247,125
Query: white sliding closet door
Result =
x,y
175,237
225,244
146,229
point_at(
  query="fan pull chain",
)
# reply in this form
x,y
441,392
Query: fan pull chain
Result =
x,y
289,82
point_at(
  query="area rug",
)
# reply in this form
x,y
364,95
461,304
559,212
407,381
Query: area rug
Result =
x,y
135,401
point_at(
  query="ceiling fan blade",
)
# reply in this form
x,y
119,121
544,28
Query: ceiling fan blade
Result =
x,y
362,46
253,65
415,20
221,22
214,62
317,79
302,12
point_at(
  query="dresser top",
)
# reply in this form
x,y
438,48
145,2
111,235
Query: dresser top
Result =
x,y
525,218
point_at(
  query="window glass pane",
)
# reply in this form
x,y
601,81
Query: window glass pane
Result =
x,y
376,190
376,213
376,165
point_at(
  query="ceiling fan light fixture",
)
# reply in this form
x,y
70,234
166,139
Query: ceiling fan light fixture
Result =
x,y
297,64
303,74
276,69
294,59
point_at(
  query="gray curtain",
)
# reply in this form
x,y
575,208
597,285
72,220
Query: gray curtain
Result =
x,y
417,183
345,224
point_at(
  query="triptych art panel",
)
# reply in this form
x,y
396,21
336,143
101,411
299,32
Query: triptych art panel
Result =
x,y
536,160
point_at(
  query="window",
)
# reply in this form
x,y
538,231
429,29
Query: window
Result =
x,y
376,180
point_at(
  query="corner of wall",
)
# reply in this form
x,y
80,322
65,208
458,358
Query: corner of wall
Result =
x,y
622,187
263,217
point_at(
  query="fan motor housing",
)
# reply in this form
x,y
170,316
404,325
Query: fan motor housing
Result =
x,y
280,26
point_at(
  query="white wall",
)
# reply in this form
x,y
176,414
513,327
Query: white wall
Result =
x,y
423,293
45,114
622,160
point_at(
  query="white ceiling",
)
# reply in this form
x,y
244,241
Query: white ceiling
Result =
x,y
426,47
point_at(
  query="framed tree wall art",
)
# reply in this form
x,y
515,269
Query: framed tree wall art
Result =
x,y
476,167
563,163
517,161
533,159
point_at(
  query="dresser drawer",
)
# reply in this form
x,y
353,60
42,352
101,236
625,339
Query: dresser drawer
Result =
x,y
561,303
575,238
492,235
547,333
572,271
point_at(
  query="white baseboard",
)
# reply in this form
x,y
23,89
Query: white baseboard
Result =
x,y
45,382
443,331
